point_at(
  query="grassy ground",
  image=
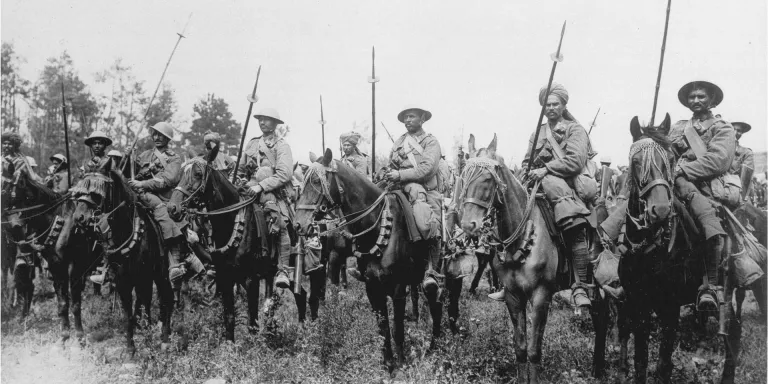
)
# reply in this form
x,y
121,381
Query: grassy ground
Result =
x,y
342,346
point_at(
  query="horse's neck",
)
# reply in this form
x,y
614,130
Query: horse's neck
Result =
x,y
514,204
358,196
220,196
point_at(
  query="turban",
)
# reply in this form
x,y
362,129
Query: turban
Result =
x,y
351,137
13,137
557,89
212,136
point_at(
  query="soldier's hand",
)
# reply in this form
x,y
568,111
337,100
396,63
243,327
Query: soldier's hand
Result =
x,y
538,174
392,176
136,185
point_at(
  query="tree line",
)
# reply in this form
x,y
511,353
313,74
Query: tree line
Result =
x,y
116,106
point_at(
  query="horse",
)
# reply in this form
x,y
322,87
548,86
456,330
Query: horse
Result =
x,y
388,259
34,223
107,210
242,251
656,271
530,269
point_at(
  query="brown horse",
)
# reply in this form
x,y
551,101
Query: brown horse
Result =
x,y
131,242
388,269
490,192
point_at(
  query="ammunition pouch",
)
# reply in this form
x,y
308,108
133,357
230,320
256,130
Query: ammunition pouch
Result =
x,y
727,189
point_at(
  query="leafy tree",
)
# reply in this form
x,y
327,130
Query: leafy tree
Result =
x,y
212,113
12,86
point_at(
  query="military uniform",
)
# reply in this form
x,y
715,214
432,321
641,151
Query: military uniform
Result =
x,y
58,182
357,161
159,174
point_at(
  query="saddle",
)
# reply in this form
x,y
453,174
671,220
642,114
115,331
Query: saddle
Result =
x,y
413,230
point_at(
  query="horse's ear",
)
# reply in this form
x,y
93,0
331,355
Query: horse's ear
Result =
x,y
327,157
492,146
665,125
635,129
312,157
471,145
212,154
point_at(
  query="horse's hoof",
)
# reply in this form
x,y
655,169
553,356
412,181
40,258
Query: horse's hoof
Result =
x,y
80,334
64,336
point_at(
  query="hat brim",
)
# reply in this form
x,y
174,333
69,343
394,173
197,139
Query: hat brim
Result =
x,y
62,158
744,126
275,119
90,140
685,90
401,115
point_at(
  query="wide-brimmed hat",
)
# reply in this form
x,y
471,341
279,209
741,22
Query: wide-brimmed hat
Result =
x,y
742,127
712,90
58,157
401,115
98,135
271,113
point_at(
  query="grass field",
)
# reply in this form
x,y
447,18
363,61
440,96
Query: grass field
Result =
x,y
341,346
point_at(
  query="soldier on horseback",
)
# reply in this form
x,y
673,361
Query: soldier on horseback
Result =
x,y
705,147
11,145
743,164
559,162
353,157
267,166
58,181
222,162
414,163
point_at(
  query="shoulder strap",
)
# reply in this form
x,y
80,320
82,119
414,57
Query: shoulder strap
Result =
x,y
694,140
411,145
555,145
268,152
162,157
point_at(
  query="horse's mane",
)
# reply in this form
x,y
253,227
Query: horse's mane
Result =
x,y
514,189
221,181
122,191
658,136
219,178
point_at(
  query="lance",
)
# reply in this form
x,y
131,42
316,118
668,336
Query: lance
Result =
x,y
556,58
373,80
66,133
661,62
593,121
322,121
252,99
157,88
388,134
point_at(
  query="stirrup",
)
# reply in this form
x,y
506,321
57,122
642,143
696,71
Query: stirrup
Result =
x,y
282,280
497,296
580,298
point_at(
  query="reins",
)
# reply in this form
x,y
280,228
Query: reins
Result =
x,y
54,205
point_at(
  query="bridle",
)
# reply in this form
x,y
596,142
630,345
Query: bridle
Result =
x,y
649,149
194,196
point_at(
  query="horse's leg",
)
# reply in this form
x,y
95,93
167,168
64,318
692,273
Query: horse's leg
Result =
x,y
732,343
641,329
540,300
333,263
76,287
125,290
165,293
669,315
482,262
226,284
494,276
252,288
143,299
24,286
436,311
61,285
739,293
342,265
398,307
317,281
414,292
516,306
454,292
759,290
624,331
378,300
599,312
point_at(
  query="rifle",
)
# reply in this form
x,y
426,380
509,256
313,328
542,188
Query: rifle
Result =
x,y
661,62
373,80
66,134
593,122
252,99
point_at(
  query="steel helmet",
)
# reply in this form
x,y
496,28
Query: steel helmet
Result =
x,y
164,128
401,115
31,161
115,153
269,112
98,135
59,157
605,159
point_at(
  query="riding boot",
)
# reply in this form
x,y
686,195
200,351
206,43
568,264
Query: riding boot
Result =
x,y
700,207
101,277
577,240
710,293
284,271
432,278
176,267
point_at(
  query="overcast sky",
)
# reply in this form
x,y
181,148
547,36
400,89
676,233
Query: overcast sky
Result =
x,y
476,65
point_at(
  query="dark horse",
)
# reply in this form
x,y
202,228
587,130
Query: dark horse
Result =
x,y
40,220
107,210
662,270
244,253
388,269
490,192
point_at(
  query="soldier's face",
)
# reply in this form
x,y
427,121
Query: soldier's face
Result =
x,y
413,120
267,124
348,148
699,101
738,133
554,108
98,146
56,163
8,147
160,140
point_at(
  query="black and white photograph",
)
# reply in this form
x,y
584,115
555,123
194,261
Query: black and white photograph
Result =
x,y
227,192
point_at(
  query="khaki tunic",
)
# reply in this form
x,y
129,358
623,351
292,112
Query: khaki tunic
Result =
x,y
160,173
58,182
742,157
268,162
357,161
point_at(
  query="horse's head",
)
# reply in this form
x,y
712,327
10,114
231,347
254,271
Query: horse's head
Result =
x,y
650,172
480,188
319,193
194,173
23,196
